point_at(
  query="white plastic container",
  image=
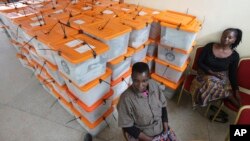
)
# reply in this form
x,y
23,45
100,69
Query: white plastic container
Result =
x,y
47,86
36,57
41,71
152,48
170,88
151,63
112,33
96,127
95,111
140,53
54,73
16,45
141,28
93,91
121,64
66,105
82,59
178,30
177,38
121,84
23,60
169,71
61,90
139,37
173,56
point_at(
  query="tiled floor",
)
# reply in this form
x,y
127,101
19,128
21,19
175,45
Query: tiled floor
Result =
x,y
25,113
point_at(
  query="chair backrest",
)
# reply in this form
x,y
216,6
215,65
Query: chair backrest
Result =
x,y
196,58
243,74
243,116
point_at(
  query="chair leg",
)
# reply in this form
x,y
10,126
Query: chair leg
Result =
x,y
217,113
208,107
179,98
180,95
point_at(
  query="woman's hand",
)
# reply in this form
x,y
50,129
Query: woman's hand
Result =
x,y
165,127
218,75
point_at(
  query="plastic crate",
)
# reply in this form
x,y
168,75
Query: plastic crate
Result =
x,y
121,64
95,111
121,84
140,53
173,56
169,71
82,59
112,33
93,91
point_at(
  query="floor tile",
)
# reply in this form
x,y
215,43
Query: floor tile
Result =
x,y
21,126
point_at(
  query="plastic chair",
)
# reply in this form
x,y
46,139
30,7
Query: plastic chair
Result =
x,y
243,117
191,75
243,77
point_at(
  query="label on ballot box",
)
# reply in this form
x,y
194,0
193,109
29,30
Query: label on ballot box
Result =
x,y
239,132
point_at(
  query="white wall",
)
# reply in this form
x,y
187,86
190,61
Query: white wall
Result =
x,y
219,14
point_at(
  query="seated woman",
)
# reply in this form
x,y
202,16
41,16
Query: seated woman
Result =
x,y
217,74
142,111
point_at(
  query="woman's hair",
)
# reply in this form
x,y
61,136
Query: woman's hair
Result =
x,y
140,67
238,34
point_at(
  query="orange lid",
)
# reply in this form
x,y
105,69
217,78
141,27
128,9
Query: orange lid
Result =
x,y
33,63
80,20
61,87
156,41
149,58
121,78
51,66
64,14
28,25
135,21
95,105
115,101
104,3
29,17
140,48
175,18
124,7
40,68
108,13
91,84
106,30
122,57
20,56
32,49
81,48
44,81
59,97
54,34
193,26
9,7
24,50
145,11
180,69
97,122
166,82
178,50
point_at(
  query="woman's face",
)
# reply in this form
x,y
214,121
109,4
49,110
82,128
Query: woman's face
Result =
x,y
140,81
228,38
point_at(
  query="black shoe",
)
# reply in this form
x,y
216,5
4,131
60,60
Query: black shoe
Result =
x,y
87,137
220,119
215,109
